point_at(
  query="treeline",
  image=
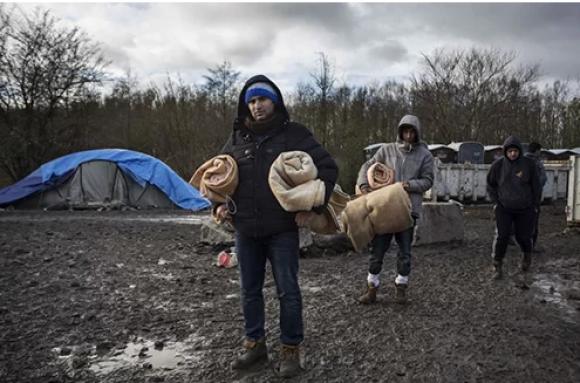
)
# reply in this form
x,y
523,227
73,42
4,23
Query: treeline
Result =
x,y
51,104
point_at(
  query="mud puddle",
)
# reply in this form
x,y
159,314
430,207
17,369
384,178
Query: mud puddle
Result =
x,y
140,354
561,290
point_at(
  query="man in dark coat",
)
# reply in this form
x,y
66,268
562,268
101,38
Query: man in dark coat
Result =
x,y
264,230
514,187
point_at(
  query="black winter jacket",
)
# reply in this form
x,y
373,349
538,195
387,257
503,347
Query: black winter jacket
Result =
x,y
514,184
256,212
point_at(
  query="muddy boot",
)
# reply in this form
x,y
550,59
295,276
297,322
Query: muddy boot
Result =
x,y
400,293
253,353
526,262
497,271
290,361
370,296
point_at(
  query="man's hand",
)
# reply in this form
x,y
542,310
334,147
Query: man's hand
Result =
x,y
222,214
303,218
406,185
365,189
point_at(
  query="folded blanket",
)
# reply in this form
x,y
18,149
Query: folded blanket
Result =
x,y
380,175
386,210
217,178
293,181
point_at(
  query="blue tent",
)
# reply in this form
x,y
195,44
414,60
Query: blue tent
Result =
x,y
142,169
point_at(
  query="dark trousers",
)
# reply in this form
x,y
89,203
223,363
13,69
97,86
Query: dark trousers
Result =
x,y
523,223
282,250
536,223
380,246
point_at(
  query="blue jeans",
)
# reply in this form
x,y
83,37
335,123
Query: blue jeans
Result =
x,y
282,250
381,244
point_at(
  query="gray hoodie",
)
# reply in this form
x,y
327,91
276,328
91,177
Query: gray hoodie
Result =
x,y
412,163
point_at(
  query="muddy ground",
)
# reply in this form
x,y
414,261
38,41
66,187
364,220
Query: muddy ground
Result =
x,y
132,297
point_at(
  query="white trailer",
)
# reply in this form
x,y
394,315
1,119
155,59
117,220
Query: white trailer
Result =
x,y
467,182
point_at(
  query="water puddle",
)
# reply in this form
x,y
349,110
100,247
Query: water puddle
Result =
x,y
556,290
147,354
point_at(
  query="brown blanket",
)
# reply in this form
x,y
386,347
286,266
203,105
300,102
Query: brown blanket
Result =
x,y
386,210
293,181
380,175
217,178
328,222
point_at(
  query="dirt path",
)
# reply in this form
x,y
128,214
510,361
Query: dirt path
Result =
x,y
98,297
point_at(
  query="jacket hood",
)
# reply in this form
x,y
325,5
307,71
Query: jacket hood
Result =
x,y
512,142
244,111
409,120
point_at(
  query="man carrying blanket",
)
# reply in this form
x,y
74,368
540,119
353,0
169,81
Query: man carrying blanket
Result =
x,y
412,163
264,229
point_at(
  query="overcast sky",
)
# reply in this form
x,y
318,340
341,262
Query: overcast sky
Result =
x,y
365,42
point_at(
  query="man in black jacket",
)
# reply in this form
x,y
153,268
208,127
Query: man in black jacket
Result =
x,y
264,230
513,184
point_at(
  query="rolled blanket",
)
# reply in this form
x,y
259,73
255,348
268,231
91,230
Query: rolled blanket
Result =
x,y
386,210
217,178
293,181
328,222
380,175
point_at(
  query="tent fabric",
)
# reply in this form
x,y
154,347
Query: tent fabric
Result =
x,y
142,168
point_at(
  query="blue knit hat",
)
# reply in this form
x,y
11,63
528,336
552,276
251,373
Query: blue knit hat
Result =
x,y
260,89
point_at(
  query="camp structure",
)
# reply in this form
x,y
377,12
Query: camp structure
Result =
x,y
445,154
492,153
468,152
370,150
110,178
558,154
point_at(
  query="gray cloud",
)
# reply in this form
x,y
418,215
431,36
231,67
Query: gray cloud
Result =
x,y
366,40
389,51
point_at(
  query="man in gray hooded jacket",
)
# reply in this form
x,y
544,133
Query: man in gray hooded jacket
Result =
x,y
413,165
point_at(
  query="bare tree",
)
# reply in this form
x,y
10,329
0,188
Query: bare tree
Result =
x,y
324,82
43,68
221,86
469,95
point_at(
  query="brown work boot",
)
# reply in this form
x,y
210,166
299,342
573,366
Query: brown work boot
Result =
x,y
400,293
497,271
290,361
253,353
370,296
526,262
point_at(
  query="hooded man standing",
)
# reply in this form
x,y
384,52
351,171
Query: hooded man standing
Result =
x,y
264,230
413,165
513,184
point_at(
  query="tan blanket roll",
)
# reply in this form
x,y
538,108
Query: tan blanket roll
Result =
x,y
328,222
380,175
386,210
293,182
217,178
